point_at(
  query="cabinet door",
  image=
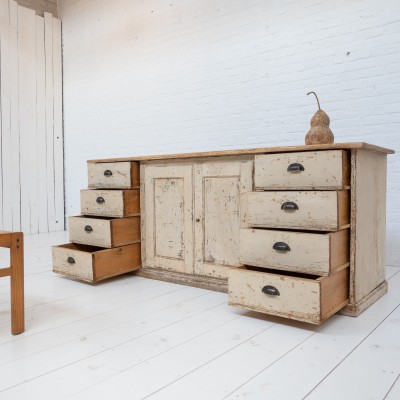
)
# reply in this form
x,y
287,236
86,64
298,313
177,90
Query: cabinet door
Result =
x,y
168,217
218,218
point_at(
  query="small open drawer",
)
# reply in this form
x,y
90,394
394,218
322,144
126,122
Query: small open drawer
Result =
x,y
304,210
104,231
296,296
113,175
92,264
110,203
306,170
315,253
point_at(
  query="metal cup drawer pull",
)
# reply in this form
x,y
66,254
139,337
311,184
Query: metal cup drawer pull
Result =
x,y
100,200
281,246
107,172
289,206
88,228
270,290
295,167
70,260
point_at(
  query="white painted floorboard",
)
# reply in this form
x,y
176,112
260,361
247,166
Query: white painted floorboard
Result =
x,y
135,338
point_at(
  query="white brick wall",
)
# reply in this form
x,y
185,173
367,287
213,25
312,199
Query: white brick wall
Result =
x,y
149,77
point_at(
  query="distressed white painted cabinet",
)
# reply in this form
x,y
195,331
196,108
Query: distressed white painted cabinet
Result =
x,y
295,231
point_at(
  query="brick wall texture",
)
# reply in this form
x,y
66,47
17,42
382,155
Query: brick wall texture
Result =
x,y
153,77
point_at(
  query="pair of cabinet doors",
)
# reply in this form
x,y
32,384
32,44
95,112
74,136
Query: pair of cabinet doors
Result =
x,y
191,215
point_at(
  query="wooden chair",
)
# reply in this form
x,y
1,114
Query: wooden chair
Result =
x,y
15,242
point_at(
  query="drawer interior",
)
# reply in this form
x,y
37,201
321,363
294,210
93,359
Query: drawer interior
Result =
x,y
280,272
80,247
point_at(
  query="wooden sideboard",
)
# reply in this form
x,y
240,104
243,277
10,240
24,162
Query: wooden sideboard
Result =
x,y
296,231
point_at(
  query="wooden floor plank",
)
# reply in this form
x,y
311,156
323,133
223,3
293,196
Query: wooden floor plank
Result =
x,y
131,337
158,371
215,379
394,391
370,370
109,351
46,313
308,364
87,323
255,355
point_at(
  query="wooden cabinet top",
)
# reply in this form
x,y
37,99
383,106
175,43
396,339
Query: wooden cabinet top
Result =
x,y
262,150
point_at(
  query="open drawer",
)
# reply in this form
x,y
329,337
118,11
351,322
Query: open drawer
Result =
x,y
104,231
113,175
304,210
296,296
315,253
110,203
92,264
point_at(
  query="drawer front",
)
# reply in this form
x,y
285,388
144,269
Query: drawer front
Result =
x,y
91,231
310,210
305,170
104,232
308,253
72,261
110,203
303,299
118,175
92,264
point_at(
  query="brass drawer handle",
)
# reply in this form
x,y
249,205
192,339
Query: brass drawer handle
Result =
x,y
281,246
289,206
88,228
270,290
70,260
100,200
107,172
295,167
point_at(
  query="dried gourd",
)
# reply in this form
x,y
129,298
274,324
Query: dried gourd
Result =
x,y
319,133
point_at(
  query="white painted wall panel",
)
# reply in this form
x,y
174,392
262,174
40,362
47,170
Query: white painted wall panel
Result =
x,y
27,115
144,77
30,67
41,126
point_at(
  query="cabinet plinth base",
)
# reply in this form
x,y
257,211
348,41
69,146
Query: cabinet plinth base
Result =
x,y
204,282
355,309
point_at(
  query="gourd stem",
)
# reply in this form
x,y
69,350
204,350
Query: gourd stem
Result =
x,y
315,94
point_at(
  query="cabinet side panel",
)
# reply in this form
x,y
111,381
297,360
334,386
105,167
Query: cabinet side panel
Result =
x,y
368,223
125,231
116,261
334,293
131,202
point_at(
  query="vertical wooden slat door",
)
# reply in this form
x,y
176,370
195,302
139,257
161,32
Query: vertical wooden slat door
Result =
x,y
27,119
4,96
14,170
31,139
